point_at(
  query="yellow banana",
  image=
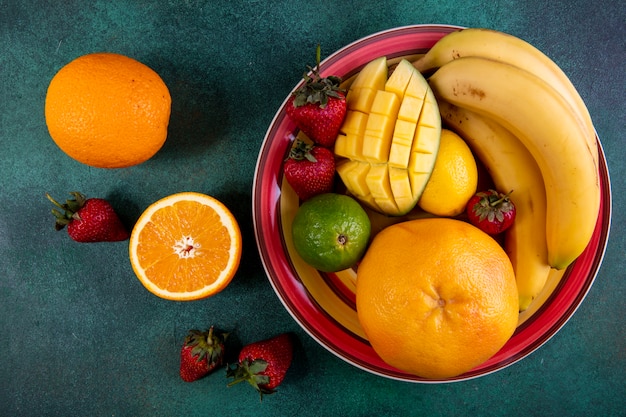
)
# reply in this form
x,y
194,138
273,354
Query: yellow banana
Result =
x,y
512,168
547,125
500,46
554,278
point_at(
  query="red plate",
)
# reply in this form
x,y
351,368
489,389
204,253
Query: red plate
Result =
x,y
323,304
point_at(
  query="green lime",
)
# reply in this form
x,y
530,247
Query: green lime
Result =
x,y
331,232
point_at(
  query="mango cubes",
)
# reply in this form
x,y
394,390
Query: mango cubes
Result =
x,y
389,139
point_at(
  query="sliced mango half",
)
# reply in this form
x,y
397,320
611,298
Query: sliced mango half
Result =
x,y
388,143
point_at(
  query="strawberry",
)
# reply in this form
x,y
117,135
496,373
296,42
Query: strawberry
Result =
x,y
89,220
202,352
491,211
309,169
263,364
318,107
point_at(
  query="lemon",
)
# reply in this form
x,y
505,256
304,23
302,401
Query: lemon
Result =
x,y
331,232
454,178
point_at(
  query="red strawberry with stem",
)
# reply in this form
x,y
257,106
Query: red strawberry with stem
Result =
x,y
88,220
309,169
319,106
202,352
263,364
491,211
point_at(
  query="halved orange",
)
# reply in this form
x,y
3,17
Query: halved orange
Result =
x,y
186,246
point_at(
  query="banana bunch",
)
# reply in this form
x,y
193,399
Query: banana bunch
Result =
x,y
524,119
502,47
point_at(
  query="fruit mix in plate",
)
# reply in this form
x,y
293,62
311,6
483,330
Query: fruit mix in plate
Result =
x,y
400,138
414,133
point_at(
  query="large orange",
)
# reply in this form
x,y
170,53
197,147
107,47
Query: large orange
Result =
x,y
108,110
436,297
186,246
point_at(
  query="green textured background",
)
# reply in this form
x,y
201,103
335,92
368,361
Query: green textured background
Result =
x,y
80,336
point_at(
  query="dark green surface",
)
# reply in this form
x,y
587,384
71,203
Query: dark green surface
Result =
x,y
80,336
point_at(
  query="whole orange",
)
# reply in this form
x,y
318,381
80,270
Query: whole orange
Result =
x,y
108,110
436,297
